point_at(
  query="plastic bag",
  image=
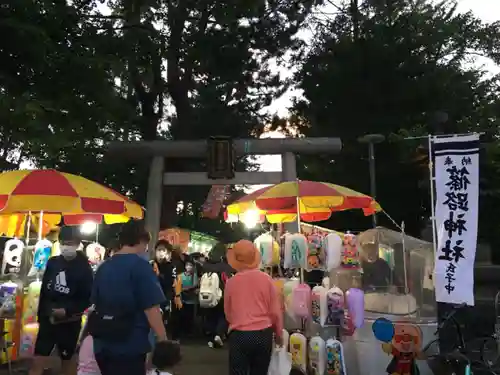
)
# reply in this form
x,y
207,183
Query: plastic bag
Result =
x,y
281,363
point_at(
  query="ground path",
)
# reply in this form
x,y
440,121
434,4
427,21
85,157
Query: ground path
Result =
x,y
198,358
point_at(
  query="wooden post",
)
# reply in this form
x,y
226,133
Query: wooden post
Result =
x,y
289,171
154,200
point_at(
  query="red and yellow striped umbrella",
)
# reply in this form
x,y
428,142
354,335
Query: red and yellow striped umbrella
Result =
x,y
74,197
316,201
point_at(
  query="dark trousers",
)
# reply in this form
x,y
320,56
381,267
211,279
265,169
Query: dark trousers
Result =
x,y
175,322
250,352
216,321
187,318
121,365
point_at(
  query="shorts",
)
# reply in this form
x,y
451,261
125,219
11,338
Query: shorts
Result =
x,y
110,364
64,336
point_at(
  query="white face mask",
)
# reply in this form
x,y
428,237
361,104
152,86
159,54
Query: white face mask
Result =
x,y
68,251
161,254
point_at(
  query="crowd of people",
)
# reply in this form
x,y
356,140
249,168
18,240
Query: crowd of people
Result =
x,y
139,310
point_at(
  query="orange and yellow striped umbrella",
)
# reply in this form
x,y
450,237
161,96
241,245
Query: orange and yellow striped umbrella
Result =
x,y
74,197
316,201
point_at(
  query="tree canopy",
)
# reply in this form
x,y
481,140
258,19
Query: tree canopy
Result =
x,y
77,75
401,69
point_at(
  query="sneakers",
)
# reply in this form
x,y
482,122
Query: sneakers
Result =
x,y
216,343
218,340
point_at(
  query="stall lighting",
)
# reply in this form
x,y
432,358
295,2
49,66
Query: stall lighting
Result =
x,y
250,218
88,227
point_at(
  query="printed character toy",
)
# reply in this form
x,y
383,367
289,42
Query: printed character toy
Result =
x,y
317,355
405,349
319,308
335,307
12,255
43,249
350,253
95,253
298,349
334,358
314,252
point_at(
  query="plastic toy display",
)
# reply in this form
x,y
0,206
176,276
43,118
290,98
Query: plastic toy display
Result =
x,y
315,253
319,308
31,302
12,256
28,338
335,307
350,254
95,253
269,250
333,249
356,305
301,301
335,364
298,349
295,251
43,250
8,293
317,355
325,306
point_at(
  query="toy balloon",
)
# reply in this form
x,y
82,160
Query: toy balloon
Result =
x,y
383,329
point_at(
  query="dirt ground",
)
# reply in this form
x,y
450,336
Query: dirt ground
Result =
x,y
198,358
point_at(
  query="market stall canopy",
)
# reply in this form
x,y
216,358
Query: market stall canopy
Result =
x,y
57,194
15,225
314,200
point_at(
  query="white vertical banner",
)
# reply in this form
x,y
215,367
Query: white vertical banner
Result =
x,y
456,166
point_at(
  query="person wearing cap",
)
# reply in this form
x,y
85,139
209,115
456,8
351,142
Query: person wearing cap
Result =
x,y
64,296
253,311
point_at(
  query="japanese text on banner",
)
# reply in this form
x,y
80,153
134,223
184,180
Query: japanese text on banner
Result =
x,y
456,161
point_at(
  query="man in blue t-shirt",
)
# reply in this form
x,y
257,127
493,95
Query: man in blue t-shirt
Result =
x,y
126,282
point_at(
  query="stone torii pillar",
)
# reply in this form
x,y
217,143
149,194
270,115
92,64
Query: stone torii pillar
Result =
x,y
158,151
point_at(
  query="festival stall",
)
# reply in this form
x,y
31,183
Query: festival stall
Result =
x,y
189,241
55,198
327,313
377,324
401,315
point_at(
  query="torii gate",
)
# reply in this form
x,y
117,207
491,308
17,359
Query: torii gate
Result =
x,y
158,151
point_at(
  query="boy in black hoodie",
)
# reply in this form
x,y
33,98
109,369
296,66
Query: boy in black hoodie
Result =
x,y
167,273
64,296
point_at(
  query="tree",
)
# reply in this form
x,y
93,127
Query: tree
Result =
x,y
152,69
387,67
209,60
59,101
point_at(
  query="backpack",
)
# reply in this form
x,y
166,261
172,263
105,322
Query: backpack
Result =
x,y
210,291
